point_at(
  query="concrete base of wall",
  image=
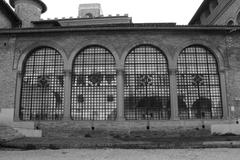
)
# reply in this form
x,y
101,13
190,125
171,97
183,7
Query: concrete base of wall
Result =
x,y
105,128
6,115
225,129
178,128
8,133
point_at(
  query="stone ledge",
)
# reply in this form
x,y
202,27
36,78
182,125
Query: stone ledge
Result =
x,y
213,143
23,125
29,132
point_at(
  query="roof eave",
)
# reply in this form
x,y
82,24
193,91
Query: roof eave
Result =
x,y
134,27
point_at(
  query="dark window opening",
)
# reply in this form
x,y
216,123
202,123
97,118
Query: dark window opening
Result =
x,y
89,15
230,23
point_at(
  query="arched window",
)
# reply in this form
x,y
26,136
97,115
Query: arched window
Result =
x,y
230,23
89,15
42,89
94,85
147,88
198,80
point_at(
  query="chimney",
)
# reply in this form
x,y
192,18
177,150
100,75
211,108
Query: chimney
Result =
x,y
89,10
28,10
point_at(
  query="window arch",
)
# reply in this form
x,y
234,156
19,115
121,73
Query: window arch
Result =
x,y
42,87
198,82
147,86
94,85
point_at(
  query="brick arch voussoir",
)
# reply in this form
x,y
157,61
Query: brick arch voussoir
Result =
x,y
28,50
206,44
166,51
103,44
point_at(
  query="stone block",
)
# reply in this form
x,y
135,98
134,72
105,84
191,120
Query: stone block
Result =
x,y
225,129
29,132
6,115
25,125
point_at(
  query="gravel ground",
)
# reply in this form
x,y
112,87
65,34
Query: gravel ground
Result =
x,y
119,154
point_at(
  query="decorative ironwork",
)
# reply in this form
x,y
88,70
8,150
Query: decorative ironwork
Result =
x,y
43,81
42,91
147,86
94,85
199,92
144,80
198,80
95,78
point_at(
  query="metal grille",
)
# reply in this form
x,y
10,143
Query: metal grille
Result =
x,y
94,85
42,89
147,88
199,93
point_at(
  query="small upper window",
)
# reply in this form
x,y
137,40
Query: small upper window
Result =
x,y
89,15
230,23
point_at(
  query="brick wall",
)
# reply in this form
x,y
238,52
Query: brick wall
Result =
x,y
120,43
8,77
233,75
230,14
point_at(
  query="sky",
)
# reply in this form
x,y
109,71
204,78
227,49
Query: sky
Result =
x,y
141,11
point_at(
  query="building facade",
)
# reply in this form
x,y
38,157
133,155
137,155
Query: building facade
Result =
x,y
217,12
109,74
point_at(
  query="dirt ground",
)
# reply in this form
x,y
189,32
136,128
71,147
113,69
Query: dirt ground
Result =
x,y
120,154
